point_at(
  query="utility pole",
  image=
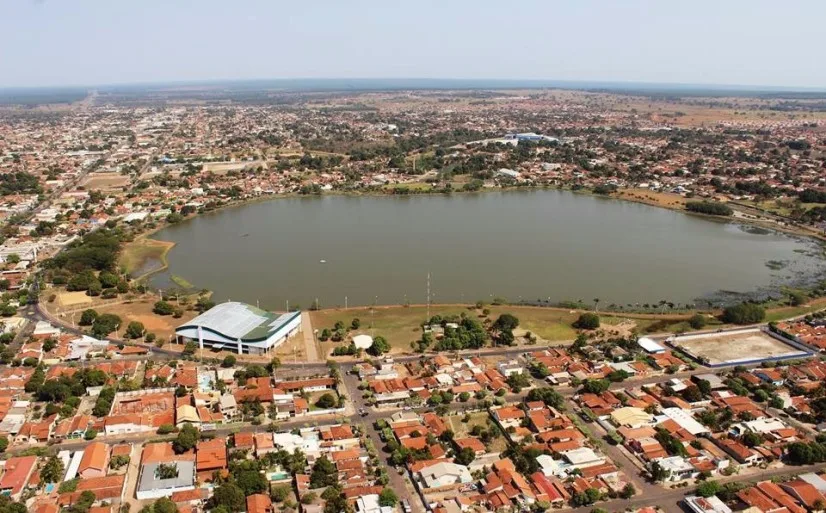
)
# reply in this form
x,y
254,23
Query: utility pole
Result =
x,y
345,302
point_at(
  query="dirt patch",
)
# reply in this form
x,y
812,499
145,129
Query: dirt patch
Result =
x,y
73,299
657,199
737,346
105,181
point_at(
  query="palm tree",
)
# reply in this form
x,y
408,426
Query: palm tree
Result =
x,y
596,304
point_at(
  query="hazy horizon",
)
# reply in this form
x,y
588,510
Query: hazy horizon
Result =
x,y
87,43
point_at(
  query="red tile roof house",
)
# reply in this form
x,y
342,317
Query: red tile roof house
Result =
x,y
74,427
211,455
95,461
16,475
740,452
805,493
308,385
32,432
508,416
259,503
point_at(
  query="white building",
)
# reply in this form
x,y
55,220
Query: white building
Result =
x,y
240,327
685,420
706,504
650,346
151,486
443,474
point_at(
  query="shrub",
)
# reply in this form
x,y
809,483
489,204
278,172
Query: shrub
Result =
x,y
587,321
744,313
87,318
709,208
162,308
697,321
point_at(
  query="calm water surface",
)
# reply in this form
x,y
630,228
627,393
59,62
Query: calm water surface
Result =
x,y
519,245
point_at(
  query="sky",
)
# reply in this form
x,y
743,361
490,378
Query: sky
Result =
x,y
99,42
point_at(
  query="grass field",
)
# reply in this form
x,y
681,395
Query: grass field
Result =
x,y
399,325
402,325
137,253
786,312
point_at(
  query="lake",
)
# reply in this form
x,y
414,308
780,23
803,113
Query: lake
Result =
x,y
520,245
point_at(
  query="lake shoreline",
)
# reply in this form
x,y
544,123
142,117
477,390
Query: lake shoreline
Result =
x,y
798,231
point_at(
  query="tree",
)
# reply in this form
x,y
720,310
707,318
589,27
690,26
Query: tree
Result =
x,y
49,344
505,322
119,461
279,493
167,470
163,308
708,488
324,473
751,439
308,498
230,496
505,338
465,456
587,321
586,498
52,471
164,505
4,443
518,381
355,324
186,440
595,386
658,473
697,321
229,361
251,481
135,329
87,318
90,434
547,395
628,491
744,313
379,347
105,324
326,401
165,429
388,498
709,208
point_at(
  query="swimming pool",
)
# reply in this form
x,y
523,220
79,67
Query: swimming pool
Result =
x,y
206,381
